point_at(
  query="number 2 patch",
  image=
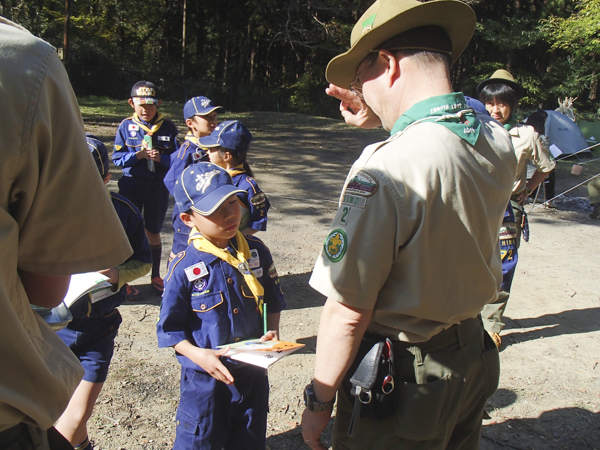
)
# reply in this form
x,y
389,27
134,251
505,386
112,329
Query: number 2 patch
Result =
x,y
345,214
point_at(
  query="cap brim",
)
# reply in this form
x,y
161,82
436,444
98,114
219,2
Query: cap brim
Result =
x,y
145,101
209,141
455,17
211,202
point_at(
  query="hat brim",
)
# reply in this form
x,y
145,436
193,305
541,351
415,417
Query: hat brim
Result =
x,y
211,202
219,109
455,17
516,86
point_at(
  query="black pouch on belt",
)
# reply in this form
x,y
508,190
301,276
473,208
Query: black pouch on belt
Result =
x,y
372,381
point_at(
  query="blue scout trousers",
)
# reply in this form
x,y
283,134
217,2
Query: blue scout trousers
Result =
x,y
441,387
215,416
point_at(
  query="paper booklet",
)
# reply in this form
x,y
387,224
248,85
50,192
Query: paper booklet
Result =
x,y
86,283
261,354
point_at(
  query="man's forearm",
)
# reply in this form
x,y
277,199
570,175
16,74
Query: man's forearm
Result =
x,y
340,332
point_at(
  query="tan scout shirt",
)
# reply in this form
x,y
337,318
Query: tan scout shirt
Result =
x,y
528,146
55,219
415,238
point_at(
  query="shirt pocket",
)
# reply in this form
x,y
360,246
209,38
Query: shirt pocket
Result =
x,y
207,302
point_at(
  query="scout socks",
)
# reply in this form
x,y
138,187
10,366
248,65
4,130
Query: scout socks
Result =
x,y
156,254
85,445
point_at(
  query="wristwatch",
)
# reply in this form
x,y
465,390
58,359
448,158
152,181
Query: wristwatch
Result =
x,y
310,400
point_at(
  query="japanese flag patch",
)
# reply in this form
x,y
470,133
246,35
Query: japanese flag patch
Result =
x,y
196,271
133,127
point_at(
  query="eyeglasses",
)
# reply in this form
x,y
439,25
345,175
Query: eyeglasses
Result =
x,y
358,90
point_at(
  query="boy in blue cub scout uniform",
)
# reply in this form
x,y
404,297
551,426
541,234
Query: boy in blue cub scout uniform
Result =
x,y
200,115
216,292
91,334
143,147
227,147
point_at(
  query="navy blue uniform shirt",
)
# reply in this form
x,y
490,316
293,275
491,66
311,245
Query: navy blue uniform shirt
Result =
x,y
255,202
128,142
217,308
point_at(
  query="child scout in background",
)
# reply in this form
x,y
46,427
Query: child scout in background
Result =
x,y
200,115
214,294
143,148
91,334
227,147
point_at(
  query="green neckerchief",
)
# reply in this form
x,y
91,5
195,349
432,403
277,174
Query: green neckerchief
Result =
x,y
511,123
449,110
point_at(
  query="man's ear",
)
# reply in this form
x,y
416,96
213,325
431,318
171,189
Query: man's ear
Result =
x,y
392,70
130,101
187,219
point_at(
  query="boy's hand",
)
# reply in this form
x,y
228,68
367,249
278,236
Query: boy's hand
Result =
x,y
271,335
143,154
209,360
354,109
112,274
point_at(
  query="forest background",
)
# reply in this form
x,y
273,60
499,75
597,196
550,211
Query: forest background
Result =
x,y
270,55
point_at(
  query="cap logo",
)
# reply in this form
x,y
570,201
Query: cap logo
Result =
x,y
145,92
203,180
204,102
368,24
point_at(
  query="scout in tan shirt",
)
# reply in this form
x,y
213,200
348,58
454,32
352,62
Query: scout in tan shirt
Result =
x,y
412,253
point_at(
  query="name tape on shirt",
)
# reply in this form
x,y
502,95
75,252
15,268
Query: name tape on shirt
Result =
x,y
361,184
196,271
354,200
164,138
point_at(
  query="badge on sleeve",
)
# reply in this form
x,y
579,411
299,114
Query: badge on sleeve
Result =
x,y
196,271
335,245
361,184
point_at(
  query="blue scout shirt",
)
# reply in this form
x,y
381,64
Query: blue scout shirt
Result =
x,y
215,306
180,161
255,204
128,142
133,224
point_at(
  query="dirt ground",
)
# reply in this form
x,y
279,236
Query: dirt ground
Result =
x,y
549,393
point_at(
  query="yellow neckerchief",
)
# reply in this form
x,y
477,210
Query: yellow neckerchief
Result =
x,y
149,131
236,170
240,261
193,139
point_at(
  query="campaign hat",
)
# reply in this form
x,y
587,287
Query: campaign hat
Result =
x,y
231,135
386,19
203,187
501,76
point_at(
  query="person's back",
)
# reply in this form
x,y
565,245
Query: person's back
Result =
x,y
49,211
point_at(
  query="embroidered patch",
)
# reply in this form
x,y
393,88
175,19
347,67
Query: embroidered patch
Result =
x,y
345,215
258,199
203,180
273,271
118,147
200,284
196,271
368,24
335,245
354,200
164,138
258,272
254,260
132,134
133,127
361,184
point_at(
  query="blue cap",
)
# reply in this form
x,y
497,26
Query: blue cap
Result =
x,y
231,134
199,106
99,152
476,105
203,187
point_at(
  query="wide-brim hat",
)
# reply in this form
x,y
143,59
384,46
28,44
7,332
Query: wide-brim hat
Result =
x,y
501,76
388,18
203,187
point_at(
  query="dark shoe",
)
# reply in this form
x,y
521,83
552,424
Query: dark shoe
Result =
x,y
596,213
157,284
133,293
